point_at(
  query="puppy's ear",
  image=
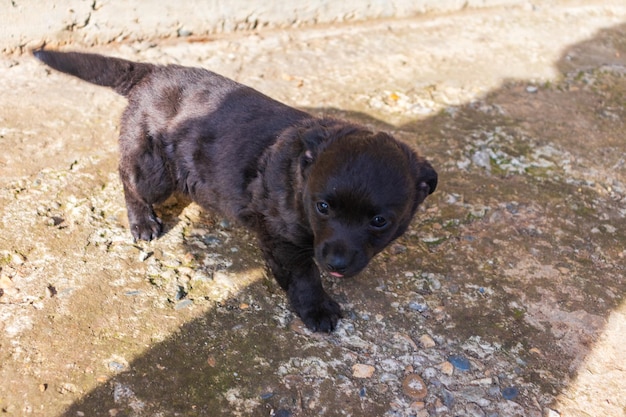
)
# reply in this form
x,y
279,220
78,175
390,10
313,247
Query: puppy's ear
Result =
x,y
312,138
317,134
426,180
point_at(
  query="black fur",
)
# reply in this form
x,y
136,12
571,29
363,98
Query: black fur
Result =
x,y
319,193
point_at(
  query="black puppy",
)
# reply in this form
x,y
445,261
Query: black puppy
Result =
x,y
321,194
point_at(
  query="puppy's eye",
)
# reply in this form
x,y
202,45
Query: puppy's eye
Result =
x,y
322,208
378,222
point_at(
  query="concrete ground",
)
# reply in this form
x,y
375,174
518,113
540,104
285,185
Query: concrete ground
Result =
x,y
505,298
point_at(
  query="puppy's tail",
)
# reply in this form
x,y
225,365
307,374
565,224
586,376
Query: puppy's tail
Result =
x,y
119,74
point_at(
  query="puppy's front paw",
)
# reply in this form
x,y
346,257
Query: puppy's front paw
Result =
x,y
143,221
322,317
148,228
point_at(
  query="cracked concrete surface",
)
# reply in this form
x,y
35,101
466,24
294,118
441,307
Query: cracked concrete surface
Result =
x,y
26,24
505,297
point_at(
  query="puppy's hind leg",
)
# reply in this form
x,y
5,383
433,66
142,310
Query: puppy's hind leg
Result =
x,y
147,180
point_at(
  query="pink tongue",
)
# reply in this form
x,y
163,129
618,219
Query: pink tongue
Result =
x,y
336,274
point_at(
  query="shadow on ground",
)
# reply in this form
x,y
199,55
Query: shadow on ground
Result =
x,y
514,265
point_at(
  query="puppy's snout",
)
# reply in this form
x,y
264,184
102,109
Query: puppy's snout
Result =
x,y
337,264
337,258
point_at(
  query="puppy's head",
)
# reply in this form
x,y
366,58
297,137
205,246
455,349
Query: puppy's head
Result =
x,y
361,191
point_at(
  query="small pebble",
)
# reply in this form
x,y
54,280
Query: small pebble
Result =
x,y
294,381
183,32
360,370
143,255
407,339
267,395
188,258
212,240
417,405
55,220
116,366
183,304
67,387
5,282
427,341
510,393
51,291
387,378
459,362
474,410
418,306
200,276
462,164
609,228
397,249
482,159
180,293
448,398
414,387
297,326
446,368
483,381
435,382
429,373
440,408
17,259
435,284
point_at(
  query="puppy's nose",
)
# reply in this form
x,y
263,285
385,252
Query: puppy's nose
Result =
x,y
337,264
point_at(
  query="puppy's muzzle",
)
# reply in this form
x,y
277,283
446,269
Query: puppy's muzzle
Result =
x,y
339,260
336,265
